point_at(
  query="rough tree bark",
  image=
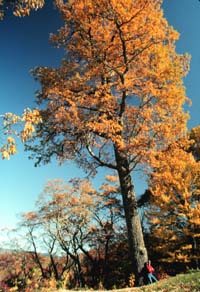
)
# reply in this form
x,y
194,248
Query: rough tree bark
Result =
x,y
137,249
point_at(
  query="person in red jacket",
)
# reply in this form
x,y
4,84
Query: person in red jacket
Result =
x,y
150,270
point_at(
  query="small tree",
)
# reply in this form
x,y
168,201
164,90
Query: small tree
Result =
x,y
80,223
175,209
61,220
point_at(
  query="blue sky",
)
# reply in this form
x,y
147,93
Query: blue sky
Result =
x,y
25,45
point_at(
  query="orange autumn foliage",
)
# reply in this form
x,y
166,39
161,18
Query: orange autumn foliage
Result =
x,y
20,7
122,84
175,209
15,126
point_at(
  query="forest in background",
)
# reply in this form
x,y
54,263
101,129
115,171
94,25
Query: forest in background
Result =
x,y
76,238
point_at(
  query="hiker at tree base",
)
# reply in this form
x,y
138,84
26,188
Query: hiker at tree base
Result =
x,y
150,270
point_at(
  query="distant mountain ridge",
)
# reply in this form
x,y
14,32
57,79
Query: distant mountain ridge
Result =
x,y
6,250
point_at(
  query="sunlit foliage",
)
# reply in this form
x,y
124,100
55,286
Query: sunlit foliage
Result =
x,y
175,207
80,225
19,7
12,129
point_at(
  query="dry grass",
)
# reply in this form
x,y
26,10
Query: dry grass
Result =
x,y
189,282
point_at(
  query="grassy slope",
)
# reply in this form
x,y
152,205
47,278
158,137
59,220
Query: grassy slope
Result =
x,y
189,282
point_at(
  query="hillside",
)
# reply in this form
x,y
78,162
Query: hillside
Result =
x,y
189,282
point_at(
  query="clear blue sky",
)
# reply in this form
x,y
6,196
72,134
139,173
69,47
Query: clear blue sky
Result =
x,y
25,45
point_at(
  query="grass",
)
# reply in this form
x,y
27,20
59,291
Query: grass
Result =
x,y
189,282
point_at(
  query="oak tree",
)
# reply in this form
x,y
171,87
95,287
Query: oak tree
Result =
x,y
116,99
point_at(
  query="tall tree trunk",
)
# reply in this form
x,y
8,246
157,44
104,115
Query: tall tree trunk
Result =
x,y
137,249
